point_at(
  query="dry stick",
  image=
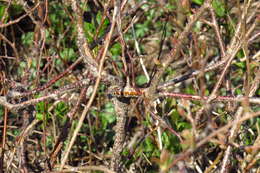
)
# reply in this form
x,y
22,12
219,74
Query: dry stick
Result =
x,y
12,45
235,45
231,53
20,18
255,100
232,50
27,9
52,81
85,54
215,26
163,124
2,151
121,109
53,95
251,158
84,169
209,137
64,132
24,134
236,125
81,41
191,74
86,109
166,61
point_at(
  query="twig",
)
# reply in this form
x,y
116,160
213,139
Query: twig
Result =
x,y
53,95
66,127
254,100
168,58
85,168
215,26
209,137
20,18
121,109
86,109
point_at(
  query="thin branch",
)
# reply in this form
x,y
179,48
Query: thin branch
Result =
x,y
216,27
86,109
255,100
209,137
167,59
20,18
54,95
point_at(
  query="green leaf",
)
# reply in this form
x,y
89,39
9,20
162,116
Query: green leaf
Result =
x,y
241,64
1,112
189,90
240,54
116,49
183,125
141,29
89,30
27,38
219,7
2,10
39,116
199,2
68,54
140,80
149,146
108,115
238,91
109,108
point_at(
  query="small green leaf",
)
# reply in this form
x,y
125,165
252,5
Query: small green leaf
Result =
x,y
27,38
219,7
116,49
109,108
241,64
238,91
2,10
108,115
183,125
240,54
39,116
141,79
1,112
68,54
198,2
89,30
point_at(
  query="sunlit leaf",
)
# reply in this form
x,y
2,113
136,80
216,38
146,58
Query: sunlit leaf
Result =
x,y
219,7
199,2
141,80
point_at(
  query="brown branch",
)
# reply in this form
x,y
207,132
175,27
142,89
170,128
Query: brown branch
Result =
x,y
54,95
87,107
255,100
85,169
216,28
168,58
82,44
11,44
202,142
64,133
121,109
20,18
